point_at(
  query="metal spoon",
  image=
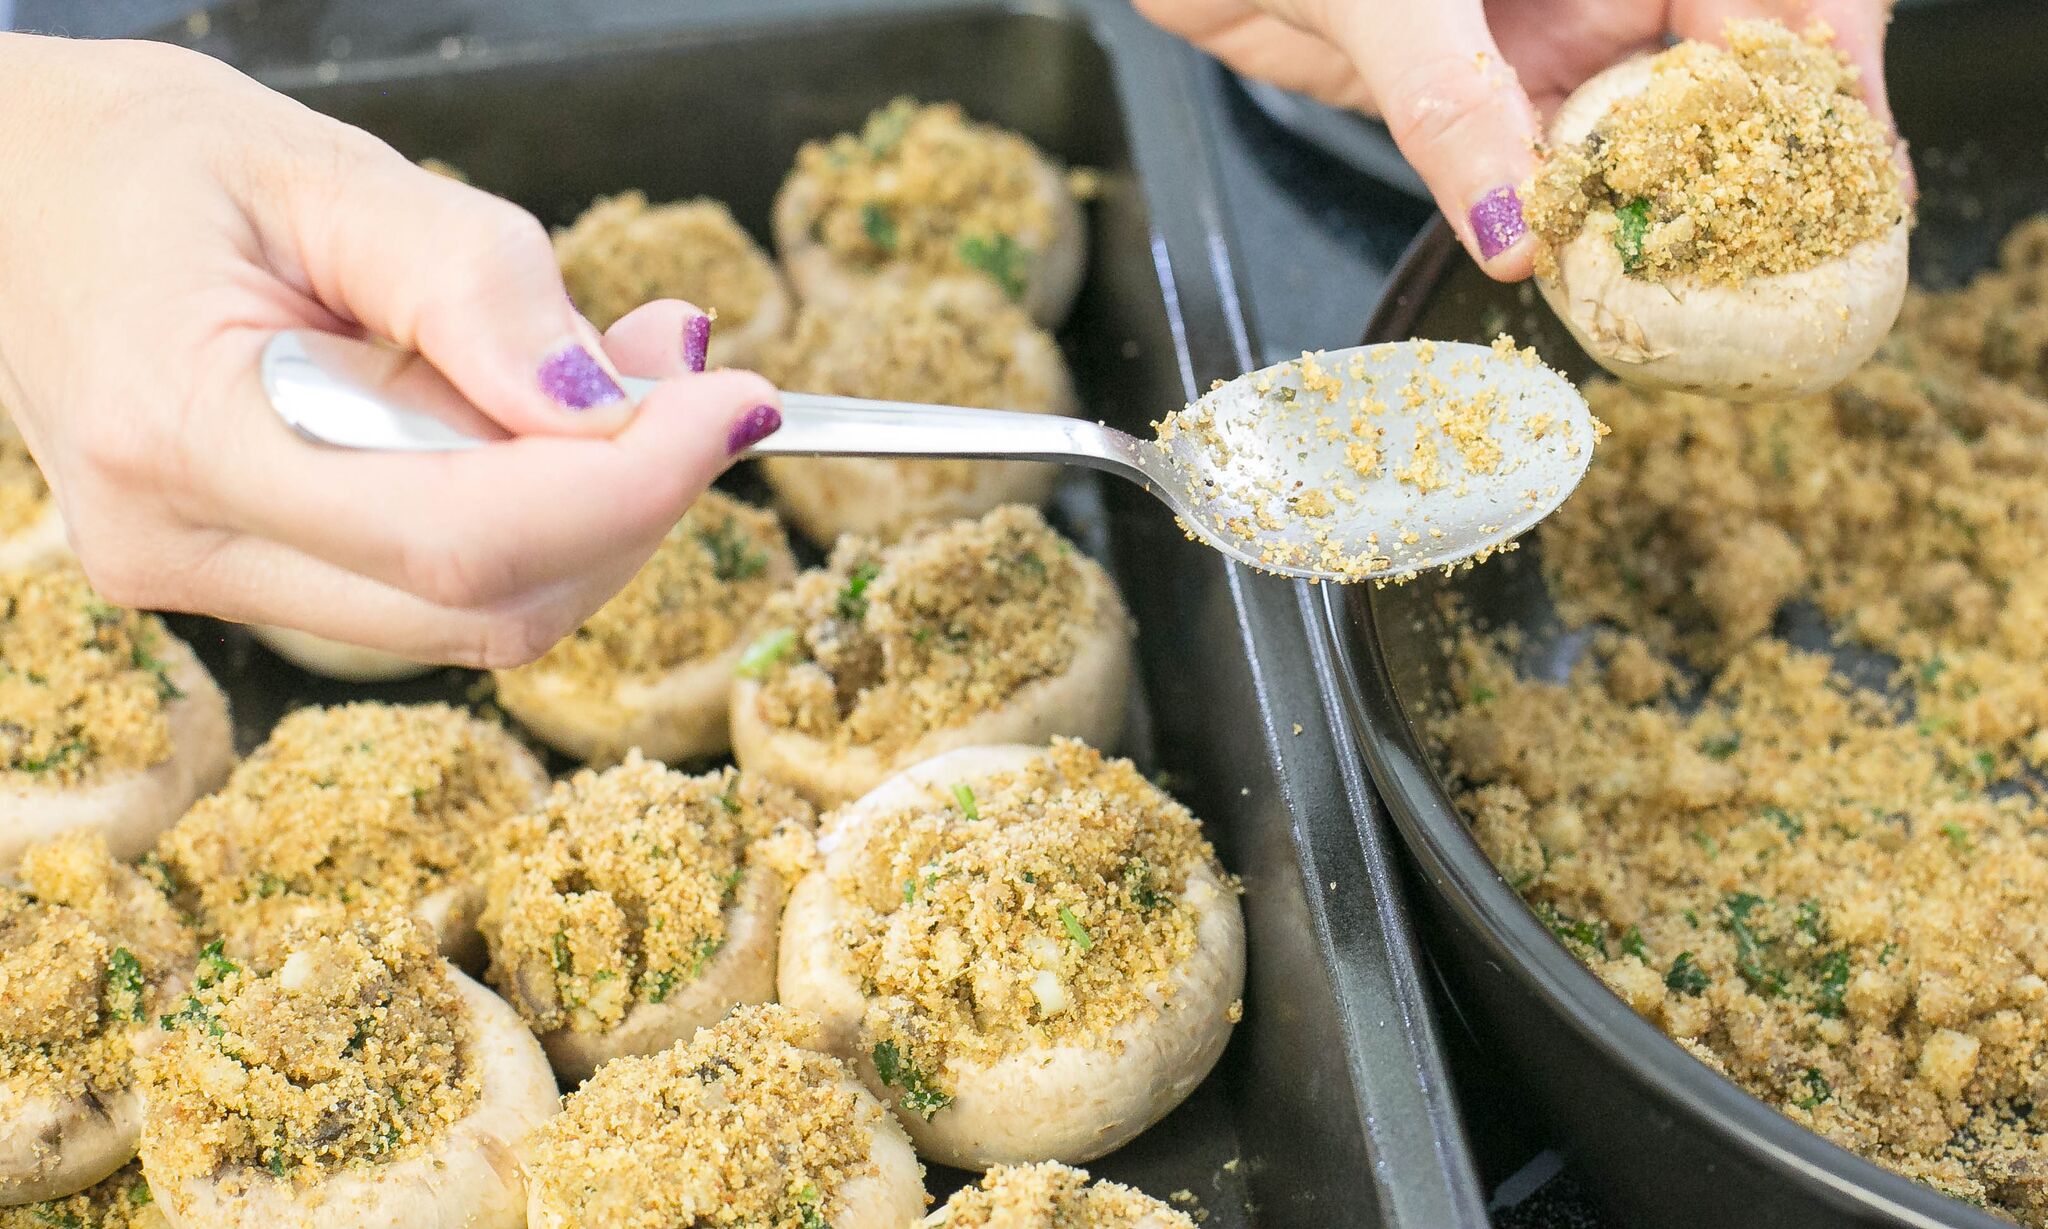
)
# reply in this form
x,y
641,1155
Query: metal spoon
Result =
x,y
1263,468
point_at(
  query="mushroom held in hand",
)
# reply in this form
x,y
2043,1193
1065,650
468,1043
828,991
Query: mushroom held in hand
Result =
x,y
921,192
1014,1197
363,1081
373,804
1726,222
31,531
951,342
638,905
1031,950
653,668
986,631
108,723
745,1124
351,663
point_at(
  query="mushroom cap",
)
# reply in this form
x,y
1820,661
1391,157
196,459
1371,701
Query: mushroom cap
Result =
x,y
470,1177
1069,1102
51,1147
1775,336
350,663
132,808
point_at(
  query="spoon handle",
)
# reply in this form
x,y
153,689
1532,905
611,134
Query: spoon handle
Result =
x,y
816,425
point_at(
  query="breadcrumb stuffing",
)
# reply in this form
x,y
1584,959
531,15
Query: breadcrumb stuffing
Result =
x,y
119,1201
24,496
1053,1196
745,1124
615,892
623,252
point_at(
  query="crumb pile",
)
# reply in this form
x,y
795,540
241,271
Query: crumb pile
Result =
x,y
83,685
1832,893
881,646
1730,164
1053,1196
24,496
745,1124
119,1201
1041,906
623,252
615,892
352,1052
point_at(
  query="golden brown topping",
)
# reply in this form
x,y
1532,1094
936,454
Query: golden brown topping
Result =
x,y
881,646
120,1201
614,893
354,1052
76,871
1756,160
623,252
1044,905
1052,1196
745,1124
360,804
24,496
82,685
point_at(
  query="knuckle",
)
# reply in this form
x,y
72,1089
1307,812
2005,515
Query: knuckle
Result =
x,y
1435,101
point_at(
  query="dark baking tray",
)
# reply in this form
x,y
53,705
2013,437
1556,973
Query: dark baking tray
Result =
x,y
1331,1107
1665,1141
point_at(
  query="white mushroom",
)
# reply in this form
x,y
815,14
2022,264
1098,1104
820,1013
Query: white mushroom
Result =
x,y
1062,894
922,192
1776,334
1052,1194
108,723
747,1122
653,668
986,631
639,905
351,663
622,253
948,342
122,1200
31,528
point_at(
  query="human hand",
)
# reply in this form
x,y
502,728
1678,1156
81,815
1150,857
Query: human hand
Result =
x,y
164,216
1463,84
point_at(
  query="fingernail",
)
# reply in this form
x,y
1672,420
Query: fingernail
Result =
x,y
696,342
575,380
754,426
1497,221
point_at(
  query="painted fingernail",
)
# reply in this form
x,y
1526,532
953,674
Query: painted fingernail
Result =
x,y
1497,221
696,342
575,380
754,426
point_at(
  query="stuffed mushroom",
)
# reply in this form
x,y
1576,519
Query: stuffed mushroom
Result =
x,y
745,1124
638,905
108,723
624,252
922,192
121,1200
359,805
987,631
31,530
361,1080
351,663
1726,222
653,668
1025,1196
1030,951
951,342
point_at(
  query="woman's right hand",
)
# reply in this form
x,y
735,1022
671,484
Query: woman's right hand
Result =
x,y
163,216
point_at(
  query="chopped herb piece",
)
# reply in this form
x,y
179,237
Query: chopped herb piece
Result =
x,y
1138,883
1632,943
852,604
1588,933
1817,1089
963,797
1787,822
1686,976
809,1209
731,557
658,984
897,1071
124,984
1723,747
1751,945
1482,695
213,966
880,228
559,954
1958,837
1632,223
1808,920
1075,931
770,648
1831,980
1001,258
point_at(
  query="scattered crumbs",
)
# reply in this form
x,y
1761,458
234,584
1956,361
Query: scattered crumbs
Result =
x,y
1297,727
1235,1014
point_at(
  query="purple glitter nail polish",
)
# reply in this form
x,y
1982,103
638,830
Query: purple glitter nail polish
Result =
x,y
754,426
1497,221
574,380
696,342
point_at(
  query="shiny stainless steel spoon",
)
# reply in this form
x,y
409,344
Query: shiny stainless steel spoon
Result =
x,y
1238,469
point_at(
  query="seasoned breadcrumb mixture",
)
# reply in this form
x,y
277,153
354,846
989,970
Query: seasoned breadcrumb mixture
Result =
x,y
24,496
1053,1196
693,599
881,646
614,893
1730,164
1835,894
342,808
623,252
1044,906
83,688
745,1124
119,1201
353,1052
925,186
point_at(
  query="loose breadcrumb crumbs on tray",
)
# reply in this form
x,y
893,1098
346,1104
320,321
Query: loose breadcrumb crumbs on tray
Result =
x,y
884,645
623,252
120,1201
1731,164
354,1052
1054,1195
745,1124
83,686
1833,892
24,496
925,186
615,892
1047,905
361,804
